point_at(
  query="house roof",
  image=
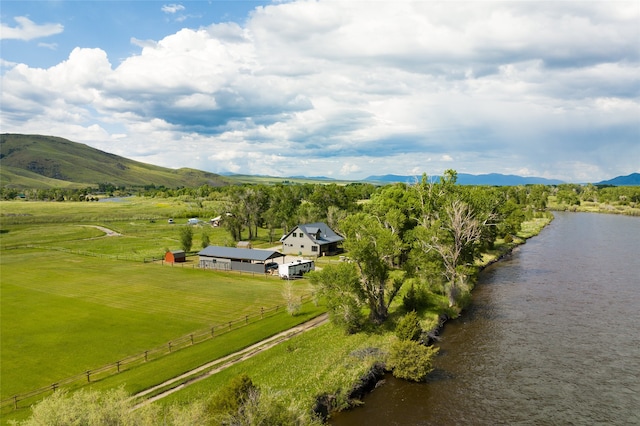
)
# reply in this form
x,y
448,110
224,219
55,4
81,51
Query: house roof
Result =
x,y
311,230
178,253
239,253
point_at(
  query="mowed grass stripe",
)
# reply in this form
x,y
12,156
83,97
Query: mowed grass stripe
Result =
x,y
63,314
203,296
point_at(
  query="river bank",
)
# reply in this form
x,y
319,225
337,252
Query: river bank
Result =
x,y
375,376
545,323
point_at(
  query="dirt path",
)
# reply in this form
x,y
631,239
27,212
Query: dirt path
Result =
x,y
107,231
177,383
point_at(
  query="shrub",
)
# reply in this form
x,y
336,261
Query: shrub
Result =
x,y
90,408
232,396
410,360
408,327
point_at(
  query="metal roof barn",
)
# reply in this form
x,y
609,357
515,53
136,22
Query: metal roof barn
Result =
x,y
236,259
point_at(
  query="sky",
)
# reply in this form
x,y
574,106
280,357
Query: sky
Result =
x,y
338,88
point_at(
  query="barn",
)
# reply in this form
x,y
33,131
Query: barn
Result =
x,y
176,256
237,259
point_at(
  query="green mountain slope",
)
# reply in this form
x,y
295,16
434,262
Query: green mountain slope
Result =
x,y
34,161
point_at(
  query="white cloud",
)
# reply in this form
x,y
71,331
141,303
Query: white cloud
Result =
x,y
28,30
50,46
350,90
172,8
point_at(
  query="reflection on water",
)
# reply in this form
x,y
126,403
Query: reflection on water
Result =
x,y
552,337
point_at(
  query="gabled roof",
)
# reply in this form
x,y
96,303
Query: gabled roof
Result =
x,y
311,230
239,253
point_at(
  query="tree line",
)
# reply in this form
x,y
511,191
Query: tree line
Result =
x,y
425,236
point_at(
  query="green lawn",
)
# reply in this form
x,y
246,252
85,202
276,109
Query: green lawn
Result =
x,y
64,314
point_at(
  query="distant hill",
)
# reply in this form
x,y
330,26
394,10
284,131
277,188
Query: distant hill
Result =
x,y
630,180
493,179
34,161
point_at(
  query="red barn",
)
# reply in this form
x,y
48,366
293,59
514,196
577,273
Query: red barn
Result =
x,y
175,256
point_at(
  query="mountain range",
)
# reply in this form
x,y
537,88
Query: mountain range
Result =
x,y
493,179
37,161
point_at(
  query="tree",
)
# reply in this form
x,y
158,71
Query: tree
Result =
x,y
373,249
455,244
340,285
408,327
186,238
205,239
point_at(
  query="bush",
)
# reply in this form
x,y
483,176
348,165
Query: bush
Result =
x,y
410,360
265,408
408,327
91,408
232,396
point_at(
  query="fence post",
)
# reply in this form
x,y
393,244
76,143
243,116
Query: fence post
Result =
x,y
262,312
169,347
88,373
229,325
246,319
145,355
118,365
191,335
212,329
15,402
54,387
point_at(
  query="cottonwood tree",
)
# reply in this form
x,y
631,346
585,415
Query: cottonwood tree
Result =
x,y
186,238
459,232
340,285
372,248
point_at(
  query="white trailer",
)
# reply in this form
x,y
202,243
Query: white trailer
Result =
x,y
295,269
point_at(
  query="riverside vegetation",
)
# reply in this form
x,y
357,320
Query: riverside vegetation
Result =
x,y
413,251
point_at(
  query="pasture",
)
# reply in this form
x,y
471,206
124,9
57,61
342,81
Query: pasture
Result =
x,y
63,312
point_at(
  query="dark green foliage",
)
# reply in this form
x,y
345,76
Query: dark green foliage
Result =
x,y
340,285
186,238
408,327
410,360
205,239
232,396
416,296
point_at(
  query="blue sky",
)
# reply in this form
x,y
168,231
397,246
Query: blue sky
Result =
x,y
339,88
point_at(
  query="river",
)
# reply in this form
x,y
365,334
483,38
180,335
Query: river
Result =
x,y
552,337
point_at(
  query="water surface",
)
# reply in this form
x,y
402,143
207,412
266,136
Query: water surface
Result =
x,y
552,337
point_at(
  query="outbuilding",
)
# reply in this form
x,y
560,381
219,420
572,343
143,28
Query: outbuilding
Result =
x,y
237,259
176,256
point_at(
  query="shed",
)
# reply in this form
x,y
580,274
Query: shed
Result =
x,y
176,256
237,259
244,244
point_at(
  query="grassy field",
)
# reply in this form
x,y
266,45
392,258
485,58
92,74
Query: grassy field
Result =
x,y
63,313
594,207
87,312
